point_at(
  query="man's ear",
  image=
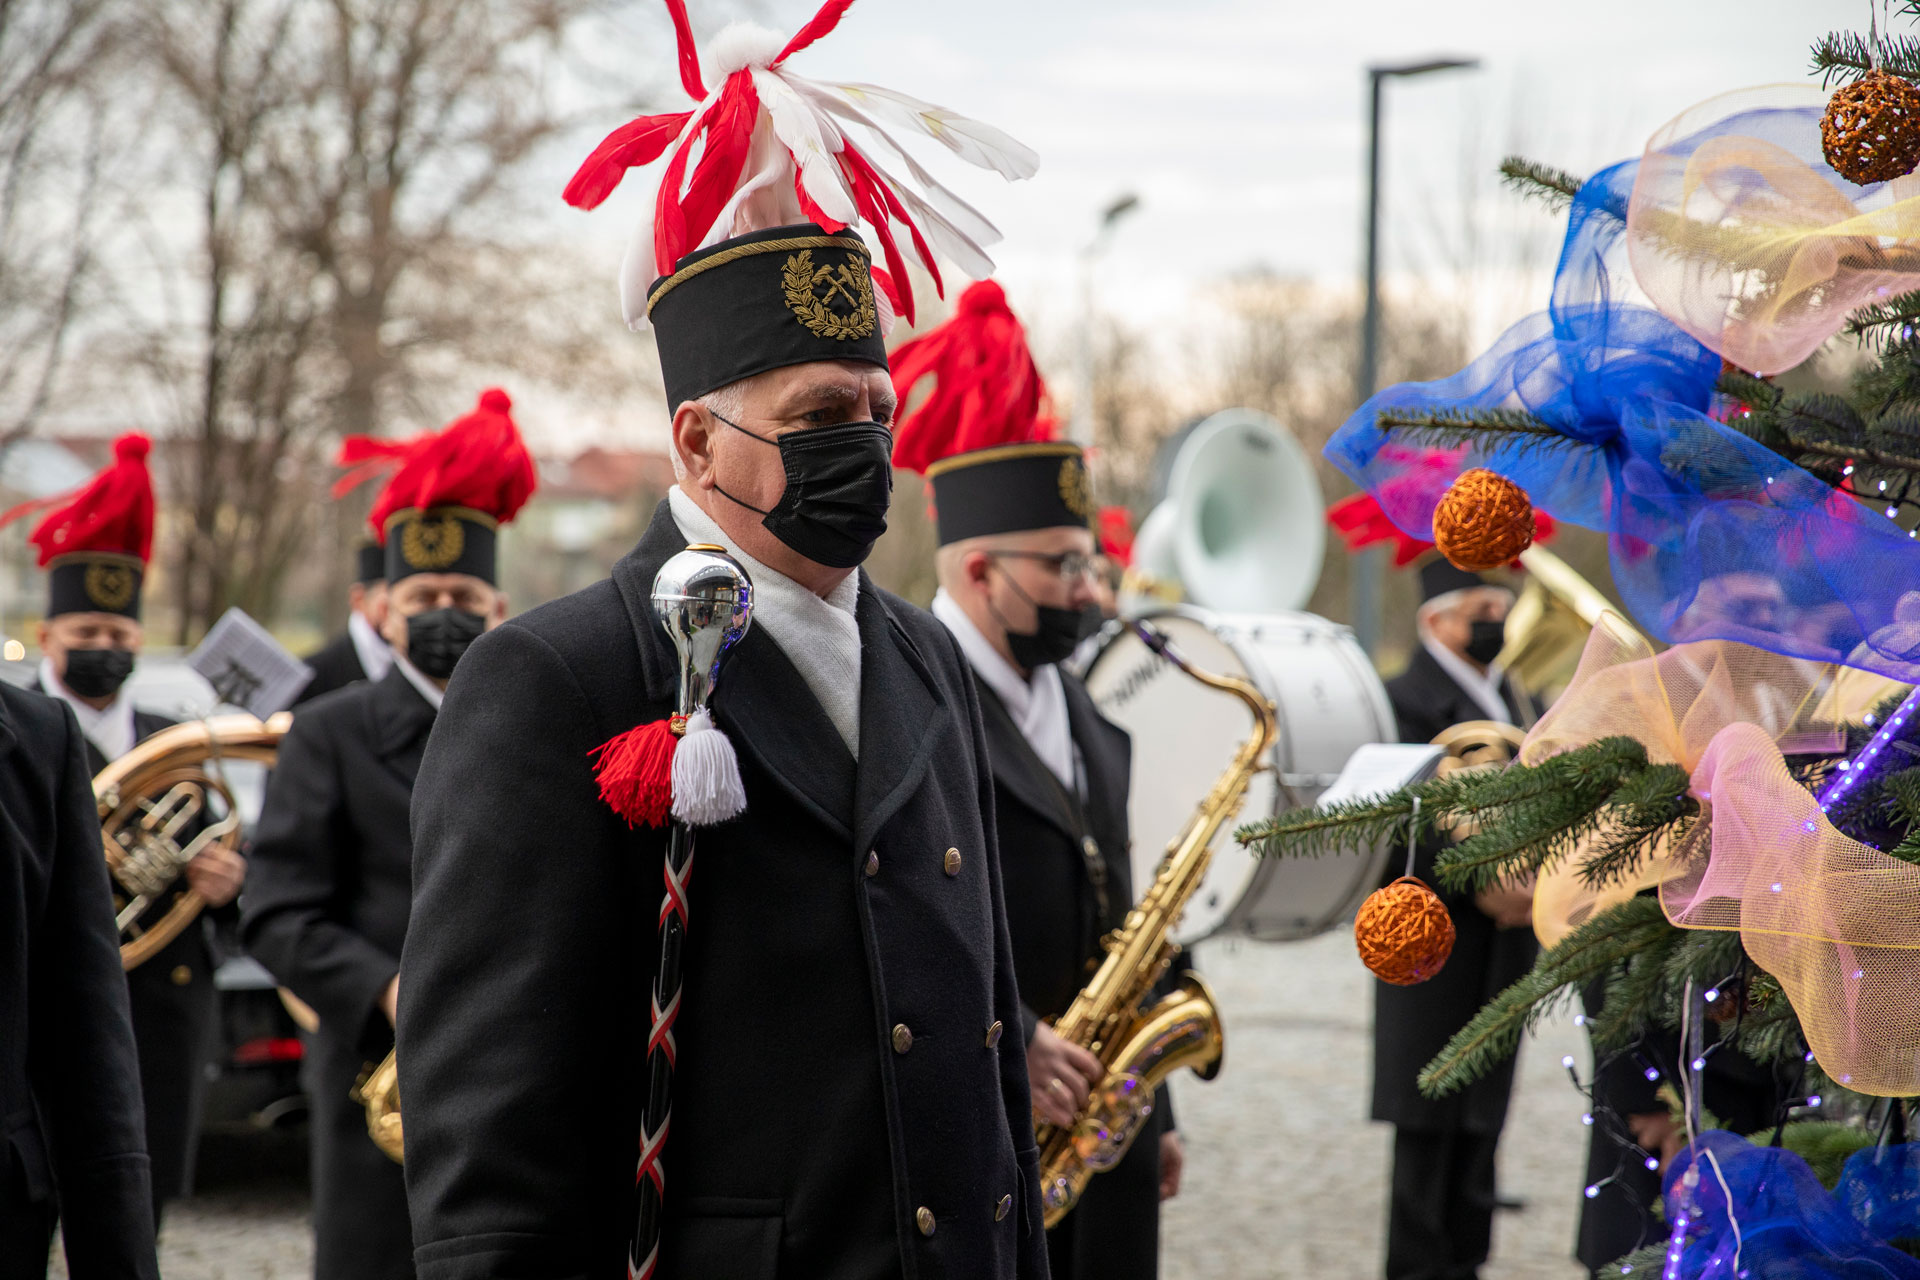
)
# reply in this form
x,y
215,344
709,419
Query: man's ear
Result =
x,y
693,442
975,566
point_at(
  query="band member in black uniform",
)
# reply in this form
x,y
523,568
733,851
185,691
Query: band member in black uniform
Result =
x,y
326,911
96,550
1017,591
360,652
1440,1220
72,1143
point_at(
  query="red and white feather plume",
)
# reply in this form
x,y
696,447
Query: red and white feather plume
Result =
x,y
766,147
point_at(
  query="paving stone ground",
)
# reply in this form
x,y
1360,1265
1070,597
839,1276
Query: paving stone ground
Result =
x,y
1286,1177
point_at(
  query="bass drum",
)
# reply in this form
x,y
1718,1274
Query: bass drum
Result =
x,y
1329,703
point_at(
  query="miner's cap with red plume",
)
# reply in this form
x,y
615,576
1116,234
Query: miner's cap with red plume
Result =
x,y
95,543
450,492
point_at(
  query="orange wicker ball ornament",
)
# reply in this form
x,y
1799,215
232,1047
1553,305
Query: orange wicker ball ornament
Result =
x,y
1483,522
1871,129
1404,932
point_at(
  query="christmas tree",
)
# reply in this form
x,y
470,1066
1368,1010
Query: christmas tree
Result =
x,y
1731,828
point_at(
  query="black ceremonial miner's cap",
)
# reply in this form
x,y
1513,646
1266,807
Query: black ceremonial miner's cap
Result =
x,y
766,300
1010,488
370,563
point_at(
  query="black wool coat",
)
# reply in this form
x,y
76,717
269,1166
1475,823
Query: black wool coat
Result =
x,y
845,1105
1054,913
174,1002
328,893
1412,1024
70,1110
336,664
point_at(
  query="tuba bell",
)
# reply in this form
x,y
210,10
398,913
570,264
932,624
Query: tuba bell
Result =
x,y
163,804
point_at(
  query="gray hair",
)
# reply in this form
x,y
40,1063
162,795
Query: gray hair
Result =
x,y
729,401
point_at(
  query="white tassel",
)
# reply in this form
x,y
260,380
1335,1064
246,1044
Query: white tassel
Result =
x,y
706,775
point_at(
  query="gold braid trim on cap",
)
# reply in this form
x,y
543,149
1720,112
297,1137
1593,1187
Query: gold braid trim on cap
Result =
x,y
1000,453
414,513
739,251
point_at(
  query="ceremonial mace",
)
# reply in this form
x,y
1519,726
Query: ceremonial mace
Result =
x,y
704,598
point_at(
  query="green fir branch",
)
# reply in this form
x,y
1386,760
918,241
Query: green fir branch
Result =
x,y
1754,392
1445,427
1553,187
1883,322
1651,804
1634,996
1587,952
1351,824
1844,54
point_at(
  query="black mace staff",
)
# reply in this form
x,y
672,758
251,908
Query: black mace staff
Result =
x,y
704,599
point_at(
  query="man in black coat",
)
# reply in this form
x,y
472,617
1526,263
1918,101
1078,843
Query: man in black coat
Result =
x,y
70,1111
360,652
1016,590
846,1101
1440,1221
89,642
327,908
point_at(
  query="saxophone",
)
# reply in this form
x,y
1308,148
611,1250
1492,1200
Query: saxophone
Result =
x,y
1141,1046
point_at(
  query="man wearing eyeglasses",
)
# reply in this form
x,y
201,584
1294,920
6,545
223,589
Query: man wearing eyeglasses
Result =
x,y
1018,591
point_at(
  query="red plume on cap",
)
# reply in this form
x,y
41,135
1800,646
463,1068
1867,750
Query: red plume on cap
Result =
x,y
766,148
986,389
478,461
114,512
1116,535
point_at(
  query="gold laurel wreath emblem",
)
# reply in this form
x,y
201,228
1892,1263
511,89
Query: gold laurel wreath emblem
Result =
x,y
1074,490
109,585
432,544
800,279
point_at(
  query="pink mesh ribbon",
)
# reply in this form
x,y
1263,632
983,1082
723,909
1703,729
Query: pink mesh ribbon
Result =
x,y
1836,921
1674,703
1744,237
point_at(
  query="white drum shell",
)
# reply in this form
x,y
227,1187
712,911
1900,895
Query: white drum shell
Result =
x,y
1329,702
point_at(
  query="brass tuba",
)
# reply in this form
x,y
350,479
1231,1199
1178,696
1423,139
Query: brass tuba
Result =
x,y
1141,1046
161,805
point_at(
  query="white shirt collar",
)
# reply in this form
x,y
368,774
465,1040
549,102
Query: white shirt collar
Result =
x,y
432,692
111,729
1038,704
368,645
1482,687
819,634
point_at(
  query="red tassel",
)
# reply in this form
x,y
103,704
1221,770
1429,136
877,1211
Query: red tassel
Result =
x,y
986,389
112,512
635,772
478,461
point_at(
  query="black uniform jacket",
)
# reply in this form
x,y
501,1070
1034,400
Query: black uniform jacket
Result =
x,y
1412,1024
336,664
173,1004
1054,910
69,1078
844,1104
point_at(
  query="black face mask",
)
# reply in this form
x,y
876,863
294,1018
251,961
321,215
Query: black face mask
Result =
x,y
97,673
1056,635
839,486
437,638
1485,639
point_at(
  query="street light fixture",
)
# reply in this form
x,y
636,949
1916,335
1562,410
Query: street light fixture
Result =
x,y
1080,427
1367,568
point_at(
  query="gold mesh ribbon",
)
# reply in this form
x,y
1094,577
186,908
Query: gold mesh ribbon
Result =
x,y
1749,243
1836,922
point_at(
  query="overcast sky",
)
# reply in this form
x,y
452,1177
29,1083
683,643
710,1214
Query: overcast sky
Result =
x,y
1240,123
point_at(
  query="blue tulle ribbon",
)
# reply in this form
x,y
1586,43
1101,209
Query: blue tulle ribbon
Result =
x,y
1711,535
1772,1220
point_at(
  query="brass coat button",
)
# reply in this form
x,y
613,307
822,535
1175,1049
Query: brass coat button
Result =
x,y
953,862
181,975
873,862
924,1216
902,1038
1001,1210
993,1034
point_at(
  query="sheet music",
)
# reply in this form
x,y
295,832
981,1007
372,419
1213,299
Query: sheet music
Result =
x,y
1381,767
247,667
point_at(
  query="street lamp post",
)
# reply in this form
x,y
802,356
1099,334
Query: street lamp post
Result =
x,y
1368,569
1080,427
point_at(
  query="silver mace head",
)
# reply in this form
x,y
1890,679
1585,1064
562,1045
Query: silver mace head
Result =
x,y
704,598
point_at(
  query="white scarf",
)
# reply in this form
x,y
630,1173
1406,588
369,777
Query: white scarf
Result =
x,y
426,688
1482,687
110,730
819,635
1038,704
